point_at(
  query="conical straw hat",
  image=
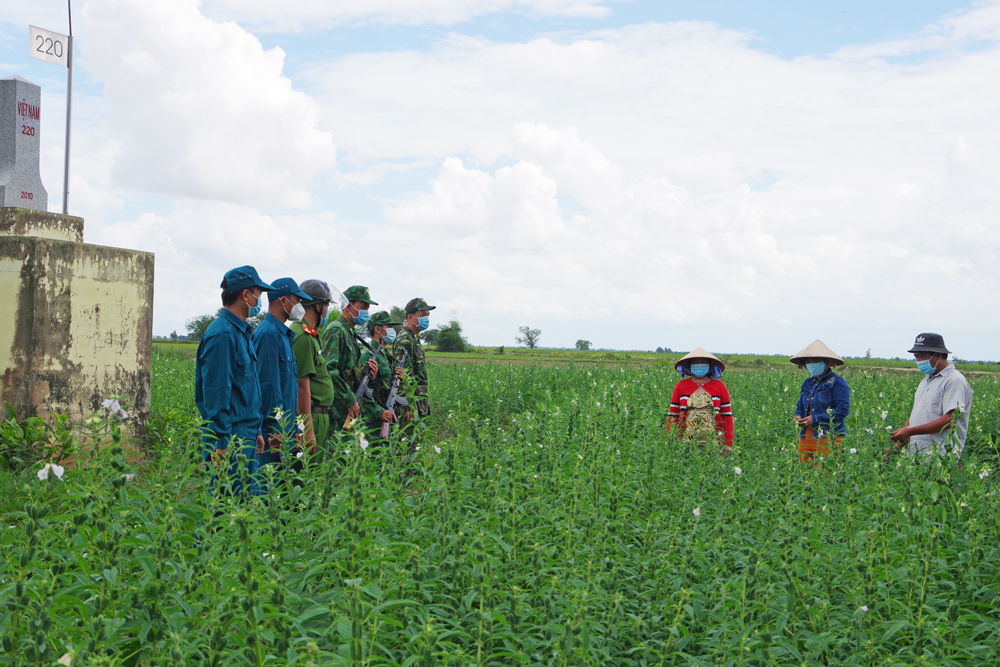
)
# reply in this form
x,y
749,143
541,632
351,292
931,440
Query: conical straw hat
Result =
x,y
700,353
818,350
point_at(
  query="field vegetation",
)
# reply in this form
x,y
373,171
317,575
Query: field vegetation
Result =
x,y
545,520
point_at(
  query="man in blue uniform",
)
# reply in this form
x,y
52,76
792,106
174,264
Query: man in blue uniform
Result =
x,y
279,378
226,387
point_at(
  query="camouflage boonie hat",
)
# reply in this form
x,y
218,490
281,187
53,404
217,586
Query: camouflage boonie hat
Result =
x,y
382,319
359,293
418,304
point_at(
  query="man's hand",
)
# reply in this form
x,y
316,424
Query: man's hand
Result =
x,y
274,442
354,411
260,445
804,421
901,435
399,372
409,415
388,416
372,369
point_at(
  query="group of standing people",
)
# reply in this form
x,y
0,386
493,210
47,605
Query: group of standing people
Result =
x,y
282,390
701,409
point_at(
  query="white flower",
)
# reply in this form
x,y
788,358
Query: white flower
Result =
x,y
298,455
738,470
54,468
870,431
579,456
884,414
363,442
278,414
786,389
696,511
965,504
301,423
66,660
418,448
129,477
347,451
108,402
864,607
984,474
437,449
854,450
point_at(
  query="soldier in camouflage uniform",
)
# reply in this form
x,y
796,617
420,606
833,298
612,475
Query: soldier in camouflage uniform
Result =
x,y
373,403
408,340
342,350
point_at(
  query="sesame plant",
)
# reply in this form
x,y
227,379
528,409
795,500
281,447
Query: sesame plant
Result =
x,y
546,519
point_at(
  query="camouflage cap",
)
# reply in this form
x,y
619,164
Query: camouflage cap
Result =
x,y
382,319
418,304
243,277
359,293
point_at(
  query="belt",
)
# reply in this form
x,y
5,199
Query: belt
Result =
x,y
321,410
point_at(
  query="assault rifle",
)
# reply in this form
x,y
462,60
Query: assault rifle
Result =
x,y
363,387
394,398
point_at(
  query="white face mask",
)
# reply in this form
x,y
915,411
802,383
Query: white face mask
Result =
x,y
390,335
297,313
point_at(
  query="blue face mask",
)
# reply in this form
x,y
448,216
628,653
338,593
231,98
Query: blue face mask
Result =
x,y
700,370
254,310
423,322
390,335
323,320
925,367
816,368
361,318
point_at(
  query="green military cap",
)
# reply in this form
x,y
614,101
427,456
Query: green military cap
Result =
x,y
382,319
359,293
418,304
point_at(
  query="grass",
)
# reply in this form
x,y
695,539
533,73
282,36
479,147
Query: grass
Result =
x,y
545,520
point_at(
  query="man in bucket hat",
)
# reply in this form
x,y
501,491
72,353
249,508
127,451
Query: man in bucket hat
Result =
x,y
939,420
226,386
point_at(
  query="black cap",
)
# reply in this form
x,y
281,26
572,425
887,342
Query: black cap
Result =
x,y
931,343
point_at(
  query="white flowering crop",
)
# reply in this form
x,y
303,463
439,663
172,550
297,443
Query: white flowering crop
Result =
x,y
54,468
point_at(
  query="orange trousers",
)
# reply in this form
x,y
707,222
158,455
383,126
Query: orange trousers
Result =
x,y
810,447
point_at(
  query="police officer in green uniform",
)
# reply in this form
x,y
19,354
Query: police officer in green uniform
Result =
x,y
373,402
342,350
316,391
408,340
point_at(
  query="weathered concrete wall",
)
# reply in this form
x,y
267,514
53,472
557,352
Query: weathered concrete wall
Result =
x,y
26,222
76,322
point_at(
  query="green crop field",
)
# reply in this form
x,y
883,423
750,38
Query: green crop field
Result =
x,y
545,520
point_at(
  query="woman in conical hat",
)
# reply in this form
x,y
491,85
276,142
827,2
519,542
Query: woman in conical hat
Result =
x,y
700,403
824,402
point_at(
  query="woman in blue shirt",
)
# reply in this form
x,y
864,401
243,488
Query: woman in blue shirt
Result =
x,y
824,402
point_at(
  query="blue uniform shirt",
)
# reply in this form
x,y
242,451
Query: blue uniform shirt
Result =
x,y
278,374
226,388
822,396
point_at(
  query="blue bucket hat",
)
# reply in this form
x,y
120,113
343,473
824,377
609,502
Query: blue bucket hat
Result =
x,y
244,277
284,287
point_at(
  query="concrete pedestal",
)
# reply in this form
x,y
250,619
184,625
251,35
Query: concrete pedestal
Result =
x,y
76,319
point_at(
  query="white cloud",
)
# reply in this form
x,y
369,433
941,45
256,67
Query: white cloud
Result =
x,y
303,15
678,170
200,108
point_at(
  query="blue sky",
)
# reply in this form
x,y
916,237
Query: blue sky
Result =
x,y
746,176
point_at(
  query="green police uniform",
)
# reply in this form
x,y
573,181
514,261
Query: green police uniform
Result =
x,y
342,352
415,365
310,363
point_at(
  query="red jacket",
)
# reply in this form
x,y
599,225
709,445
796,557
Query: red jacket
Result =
x,y
720,401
